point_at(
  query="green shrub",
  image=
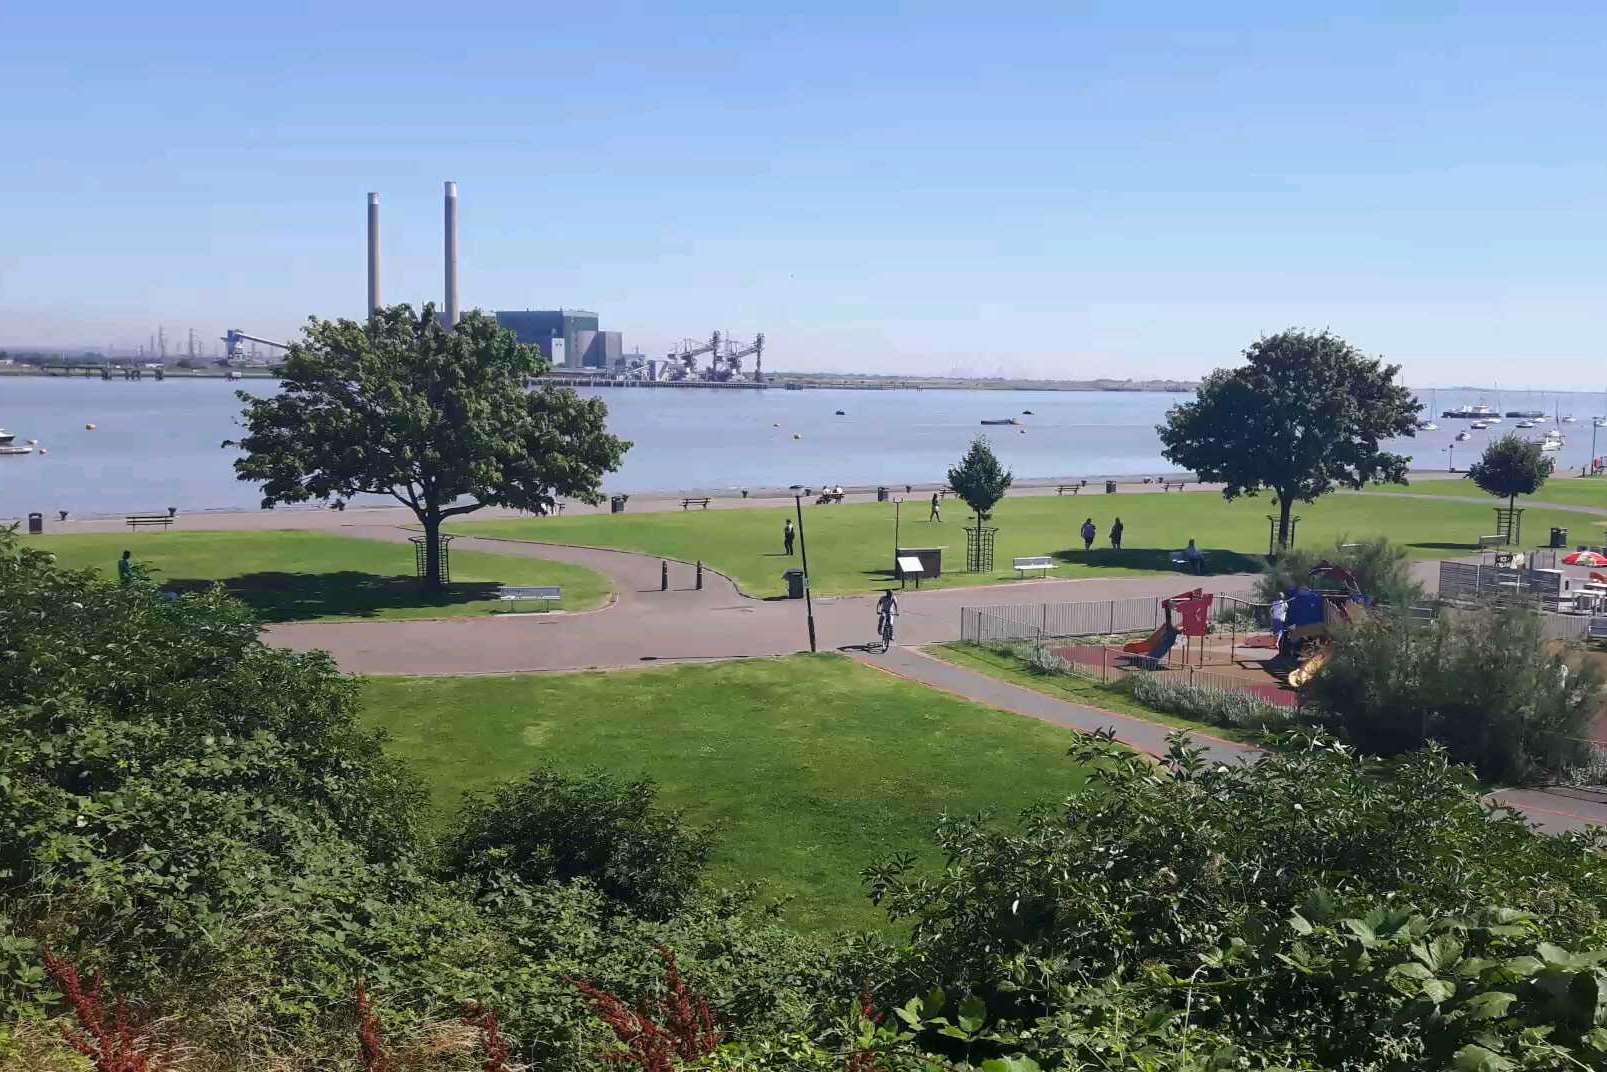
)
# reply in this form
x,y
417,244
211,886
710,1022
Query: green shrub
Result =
x,y
1312,911
1381,568
1238,710
1483,683
553,827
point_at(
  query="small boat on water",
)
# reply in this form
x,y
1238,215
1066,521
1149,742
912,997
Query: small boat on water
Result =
x,y
6,438
1463,437
1526,424
1527,414
1427,426
1570,419
1007,420
1481,424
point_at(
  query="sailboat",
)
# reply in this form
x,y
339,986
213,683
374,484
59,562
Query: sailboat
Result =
x,y
1429,425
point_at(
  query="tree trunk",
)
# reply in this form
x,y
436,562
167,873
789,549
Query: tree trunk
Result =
x,y
432,550
1284,508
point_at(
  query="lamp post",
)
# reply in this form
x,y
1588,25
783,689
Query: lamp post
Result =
x,y
896,504
1451,450
803,549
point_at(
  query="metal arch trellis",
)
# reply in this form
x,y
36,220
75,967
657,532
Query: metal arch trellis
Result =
x,y
421,556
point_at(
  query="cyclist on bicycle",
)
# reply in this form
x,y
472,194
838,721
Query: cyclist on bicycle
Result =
x,y
886,617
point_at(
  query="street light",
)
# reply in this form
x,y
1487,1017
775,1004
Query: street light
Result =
x,y
803,549
1451,450
896,504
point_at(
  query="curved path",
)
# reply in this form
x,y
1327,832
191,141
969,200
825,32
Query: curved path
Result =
x,y
646,625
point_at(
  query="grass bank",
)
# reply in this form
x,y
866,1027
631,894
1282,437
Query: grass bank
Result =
x,y
850,546
311,576
1583,491
811,766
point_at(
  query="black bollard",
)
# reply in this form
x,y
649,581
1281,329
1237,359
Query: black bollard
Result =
x,y
663,576
700,575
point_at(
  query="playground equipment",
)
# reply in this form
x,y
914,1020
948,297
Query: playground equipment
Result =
x,y
1193,610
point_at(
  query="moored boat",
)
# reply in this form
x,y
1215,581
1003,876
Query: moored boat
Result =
x,y
1007,420
1469,413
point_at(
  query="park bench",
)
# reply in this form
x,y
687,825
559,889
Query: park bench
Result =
x,y
136,521
1061,489
700,502
1173,485
1183,562
829,497
1597,629
1491,541
1040,563
510,593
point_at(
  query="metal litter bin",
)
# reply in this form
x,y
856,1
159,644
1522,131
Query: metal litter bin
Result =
x,y
795,583
1559,538
881,494
36,524
1110,487
616,503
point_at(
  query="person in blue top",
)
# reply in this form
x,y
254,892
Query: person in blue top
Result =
x,y
125,569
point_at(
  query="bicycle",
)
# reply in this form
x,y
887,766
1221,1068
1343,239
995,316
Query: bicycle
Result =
x,y
885,628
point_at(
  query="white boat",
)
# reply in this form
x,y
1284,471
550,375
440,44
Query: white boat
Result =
x,y
1570,419
1463,437
1427,426
1494,419
1481,424
1527,424
1550,444
6,438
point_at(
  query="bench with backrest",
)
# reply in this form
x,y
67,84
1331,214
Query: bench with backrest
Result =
x,y
1173,485
829,497
1181,560
1597,629
137,521
549,593
694,502
1032,563
1061,489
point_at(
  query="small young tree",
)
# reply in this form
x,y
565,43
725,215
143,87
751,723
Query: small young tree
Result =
x,y
1303,416
979,479
444,421
1511,466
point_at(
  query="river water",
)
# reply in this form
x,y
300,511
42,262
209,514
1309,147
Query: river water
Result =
x,y
158,444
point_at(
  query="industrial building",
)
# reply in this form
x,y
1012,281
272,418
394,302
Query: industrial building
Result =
x,y
568,337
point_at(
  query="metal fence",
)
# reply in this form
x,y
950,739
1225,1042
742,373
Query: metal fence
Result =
x,y
1039,621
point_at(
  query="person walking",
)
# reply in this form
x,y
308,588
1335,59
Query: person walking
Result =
x,y
937,508
1116,535
125,569
787,534
1088,534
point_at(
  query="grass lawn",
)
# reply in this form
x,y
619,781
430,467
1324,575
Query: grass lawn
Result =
x,y
298,576
850,547
1007,666
1584,491
811,766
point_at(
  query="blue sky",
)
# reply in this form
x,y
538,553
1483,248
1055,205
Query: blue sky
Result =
x,y
1070,189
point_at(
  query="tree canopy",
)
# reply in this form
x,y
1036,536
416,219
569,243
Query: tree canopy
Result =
x,y
441,420
1511,466
1305,414
979,480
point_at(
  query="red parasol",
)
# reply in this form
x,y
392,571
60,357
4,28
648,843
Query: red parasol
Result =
x,y
1584,558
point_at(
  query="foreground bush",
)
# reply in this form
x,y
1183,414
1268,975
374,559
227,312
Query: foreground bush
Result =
x,y
550,827
1485,684
1235,710
1312,911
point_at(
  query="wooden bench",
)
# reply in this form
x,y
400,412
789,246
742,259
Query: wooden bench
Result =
x,y
1061,489
510,593
1190,565
1491,541
136,521
700,502
1173,485
1040,563
829,497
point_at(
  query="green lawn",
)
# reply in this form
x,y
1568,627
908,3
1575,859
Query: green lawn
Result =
x,y
850,547
1585,491
1008,666
811,766
289,575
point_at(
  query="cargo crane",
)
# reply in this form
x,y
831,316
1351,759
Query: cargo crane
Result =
x,y
682,364
733,360
233,350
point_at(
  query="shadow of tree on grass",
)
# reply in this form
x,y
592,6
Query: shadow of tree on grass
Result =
x,y
279,596
1159,560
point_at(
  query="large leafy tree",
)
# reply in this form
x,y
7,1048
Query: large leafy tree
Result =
x,y
1305,414
441,420
1511,466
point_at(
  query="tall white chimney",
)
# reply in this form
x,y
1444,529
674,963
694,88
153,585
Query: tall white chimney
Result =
x,y
451,314
373,253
